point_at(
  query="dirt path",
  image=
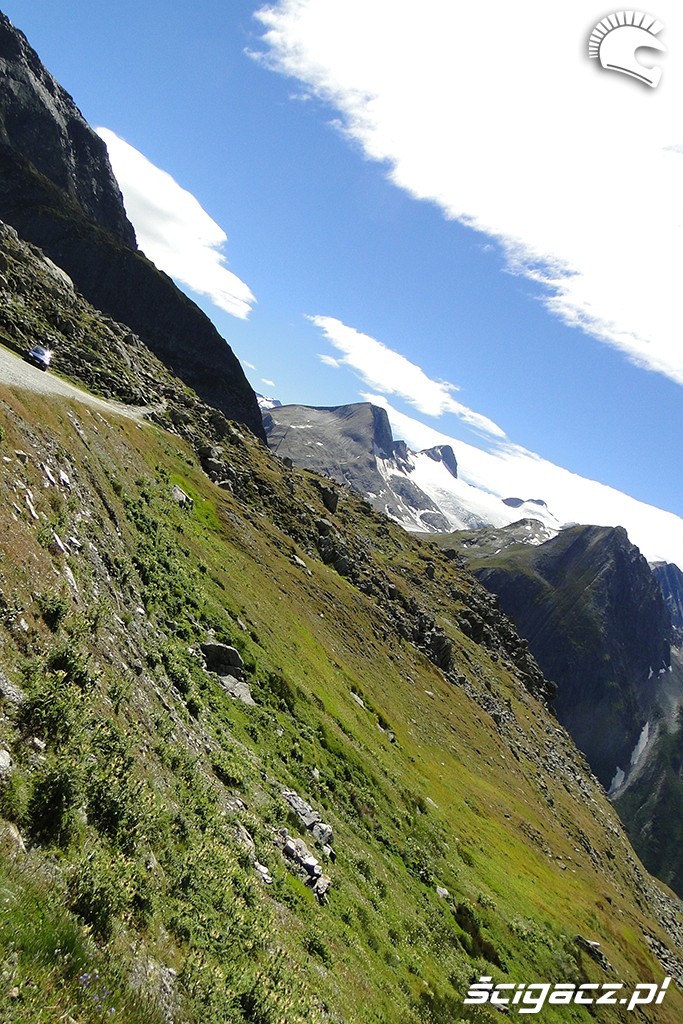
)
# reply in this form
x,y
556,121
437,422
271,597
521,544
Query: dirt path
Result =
x,y
19,374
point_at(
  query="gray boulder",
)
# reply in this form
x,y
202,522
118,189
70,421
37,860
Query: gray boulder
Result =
x,y
220,658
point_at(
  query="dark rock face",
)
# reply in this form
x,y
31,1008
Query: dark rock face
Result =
x,y
652,807
444,453
597,625
41,121
58,190
670,580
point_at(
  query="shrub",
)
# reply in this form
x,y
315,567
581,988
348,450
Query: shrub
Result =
x,y
53,608
52,808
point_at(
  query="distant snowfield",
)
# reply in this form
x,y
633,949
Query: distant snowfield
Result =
x,y
513,472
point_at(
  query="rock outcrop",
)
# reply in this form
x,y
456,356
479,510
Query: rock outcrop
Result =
x,y
597,625
58,190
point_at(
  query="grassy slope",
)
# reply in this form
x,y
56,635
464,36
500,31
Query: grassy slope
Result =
x,y
131,809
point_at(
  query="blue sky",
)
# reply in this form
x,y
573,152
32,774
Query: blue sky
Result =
x,y
294,167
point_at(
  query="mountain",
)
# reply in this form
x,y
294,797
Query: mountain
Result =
x,y
265,403
600,628
58,190
240,778
670,579
264,756
597,624
354,445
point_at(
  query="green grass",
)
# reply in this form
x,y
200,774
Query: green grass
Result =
x,y
133,808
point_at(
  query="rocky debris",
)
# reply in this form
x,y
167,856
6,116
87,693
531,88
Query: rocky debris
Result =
x,y
263,873
442,892
310,819
158,982
180,498
244,839
222,659
321,887
58,545
309,869
5,764
329,496
238,689
304,812
11,842
323,834
593,949
10,692
296,850
671,962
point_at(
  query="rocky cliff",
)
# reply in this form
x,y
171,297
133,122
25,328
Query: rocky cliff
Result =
x,y
596,621
600,628
670,580
57,189
354,444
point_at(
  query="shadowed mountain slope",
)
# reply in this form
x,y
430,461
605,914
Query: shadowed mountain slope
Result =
x,y
57,189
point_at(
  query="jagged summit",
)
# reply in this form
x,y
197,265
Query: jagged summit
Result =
x,y
420,490
57,189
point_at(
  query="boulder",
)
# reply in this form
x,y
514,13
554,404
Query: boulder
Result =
x,y
321,887
322,833
330,498
238,689
10,692
11,842
304,812
179,496
220,658
5,764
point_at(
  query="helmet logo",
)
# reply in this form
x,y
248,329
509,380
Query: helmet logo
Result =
x,y
616,39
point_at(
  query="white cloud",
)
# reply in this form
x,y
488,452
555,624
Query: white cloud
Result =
x,y
513,472
268,383
503,121
391,373
329,361
174,231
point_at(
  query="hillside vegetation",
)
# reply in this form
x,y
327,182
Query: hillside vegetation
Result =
x,y
388,694
263,756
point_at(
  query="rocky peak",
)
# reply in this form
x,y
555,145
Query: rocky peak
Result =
x,y
39,119
445,454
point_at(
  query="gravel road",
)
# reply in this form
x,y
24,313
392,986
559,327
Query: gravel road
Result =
x,y
15,372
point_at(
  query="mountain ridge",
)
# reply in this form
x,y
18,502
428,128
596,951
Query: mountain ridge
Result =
x,y
264,756
68,203
354,444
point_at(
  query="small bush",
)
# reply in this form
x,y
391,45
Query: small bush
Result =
x,y
53,608
52,808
